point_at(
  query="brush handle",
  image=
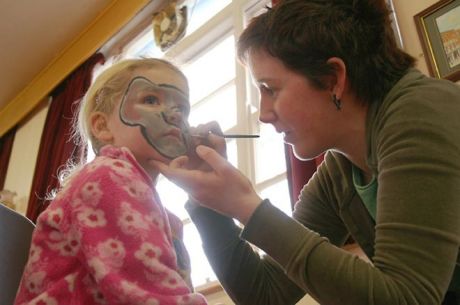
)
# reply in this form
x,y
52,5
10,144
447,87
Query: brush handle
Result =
x,y
239,136
230,136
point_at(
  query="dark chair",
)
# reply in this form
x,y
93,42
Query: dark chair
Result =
x,y
15,237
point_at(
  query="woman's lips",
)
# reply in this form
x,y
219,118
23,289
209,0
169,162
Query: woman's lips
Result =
x,y
288,136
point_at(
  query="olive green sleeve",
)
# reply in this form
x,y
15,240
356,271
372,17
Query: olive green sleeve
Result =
x,y
247,277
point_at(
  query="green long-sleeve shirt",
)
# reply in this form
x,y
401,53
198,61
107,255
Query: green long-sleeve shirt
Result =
x,y
413,140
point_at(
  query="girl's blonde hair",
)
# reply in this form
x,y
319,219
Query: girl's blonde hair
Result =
x,y
106,90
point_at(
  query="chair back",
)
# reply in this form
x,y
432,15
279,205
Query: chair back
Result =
x,y
15,237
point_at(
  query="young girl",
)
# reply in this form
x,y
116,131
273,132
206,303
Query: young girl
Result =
x,y
106,238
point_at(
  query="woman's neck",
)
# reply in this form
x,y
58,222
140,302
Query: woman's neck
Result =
x,y
353,144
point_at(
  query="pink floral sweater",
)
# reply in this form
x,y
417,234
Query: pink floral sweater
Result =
x,y
107,239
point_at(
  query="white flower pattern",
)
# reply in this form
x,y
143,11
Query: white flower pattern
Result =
x,y
112,251
55,217
44,299
149,255
131,221
34,253
92,218
99,268
70,279
91,193
35,281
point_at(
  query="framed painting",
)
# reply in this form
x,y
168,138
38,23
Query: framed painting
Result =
x,y
439,29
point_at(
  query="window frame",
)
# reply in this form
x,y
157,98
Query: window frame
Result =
x,y
231,20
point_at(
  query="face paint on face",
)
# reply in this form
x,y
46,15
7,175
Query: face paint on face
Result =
x,y
161,111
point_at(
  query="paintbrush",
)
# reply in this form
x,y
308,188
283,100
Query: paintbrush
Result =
x,y
229,136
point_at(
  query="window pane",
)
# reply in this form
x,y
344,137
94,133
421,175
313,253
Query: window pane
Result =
x,y
278,194
172,197
203,11
232,154
144,46
220,107
269,150
212,70
201,270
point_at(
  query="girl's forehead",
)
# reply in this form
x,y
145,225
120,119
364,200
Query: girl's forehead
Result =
x,y
164,75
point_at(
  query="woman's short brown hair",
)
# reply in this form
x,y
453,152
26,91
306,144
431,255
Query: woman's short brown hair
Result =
x,y
305,34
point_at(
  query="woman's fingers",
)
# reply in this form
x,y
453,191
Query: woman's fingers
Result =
x,y
212,158
179,162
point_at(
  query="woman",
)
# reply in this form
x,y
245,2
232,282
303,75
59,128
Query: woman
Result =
x,y
332,78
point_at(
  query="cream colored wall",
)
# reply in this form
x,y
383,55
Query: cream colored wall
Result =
x,y
405,11
23,156
25,148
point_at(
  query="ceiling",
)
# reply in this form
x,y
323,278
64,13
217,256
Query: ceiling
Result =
x,y
33,33
43,41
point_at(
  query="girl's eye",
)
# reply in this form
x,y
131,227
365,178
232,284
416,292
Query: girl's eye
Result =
x,y
182,109
151,100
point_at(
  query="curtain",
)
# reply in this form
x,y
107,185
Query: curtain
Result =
x,y
6,145
298,172
56,146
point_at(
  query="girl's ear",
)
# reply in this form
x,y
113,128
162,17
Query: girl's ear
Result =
x,y
338,82
100,128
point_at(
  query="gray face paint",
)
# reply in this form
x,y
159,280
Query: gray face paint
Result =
x,y
161,111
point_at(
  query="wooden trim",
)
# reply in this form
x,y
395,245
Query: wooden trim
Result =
x,y
210,288
104,26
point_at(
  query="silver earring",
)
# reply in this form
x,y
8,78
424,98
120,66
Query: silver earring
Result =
x,y
337,102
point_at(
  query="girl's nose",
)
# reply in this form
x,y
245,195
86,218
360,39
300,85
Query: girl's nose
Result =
x,y
174,116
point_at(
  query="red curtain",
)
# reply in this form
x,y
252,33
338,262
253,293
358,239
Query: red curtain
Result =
x,y
299,172
56,146
6,145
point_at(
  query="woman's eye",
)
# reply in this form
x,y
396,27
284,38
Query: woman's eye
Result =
x,y
266,90
151,100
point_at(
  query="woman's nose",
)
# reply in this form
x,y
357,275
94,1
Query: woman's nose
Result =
x,y
266,113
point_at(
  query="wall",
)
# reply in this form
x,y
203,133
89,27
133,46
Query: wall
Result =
x,y
24,155
25,148
405,11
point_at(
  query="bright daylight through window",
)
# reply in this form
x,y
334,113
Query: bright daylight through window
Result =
x,y
220,90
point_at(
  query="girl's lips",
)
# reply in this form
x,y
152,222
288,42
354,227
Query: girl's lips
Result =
x,y
175,132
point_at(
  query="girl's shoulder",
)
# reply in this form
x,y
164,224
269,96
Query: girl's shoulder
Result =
x,y
111,159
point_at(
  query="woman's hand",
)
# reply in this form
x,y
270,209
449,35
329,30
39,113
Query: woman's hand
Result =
x,y
205,134
215,184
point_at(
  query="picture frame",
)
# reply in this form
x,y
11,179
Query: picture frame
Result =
x,y
438,27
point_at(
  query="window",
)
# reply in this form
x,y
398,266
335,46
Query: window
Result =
x,y
220,89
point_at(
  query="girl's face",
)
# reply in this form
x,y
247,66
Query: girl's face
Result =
x,y
304,114
151,116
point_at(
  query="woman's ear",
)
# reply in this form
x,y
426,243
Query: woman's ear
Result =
x,y
100,128
337,86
